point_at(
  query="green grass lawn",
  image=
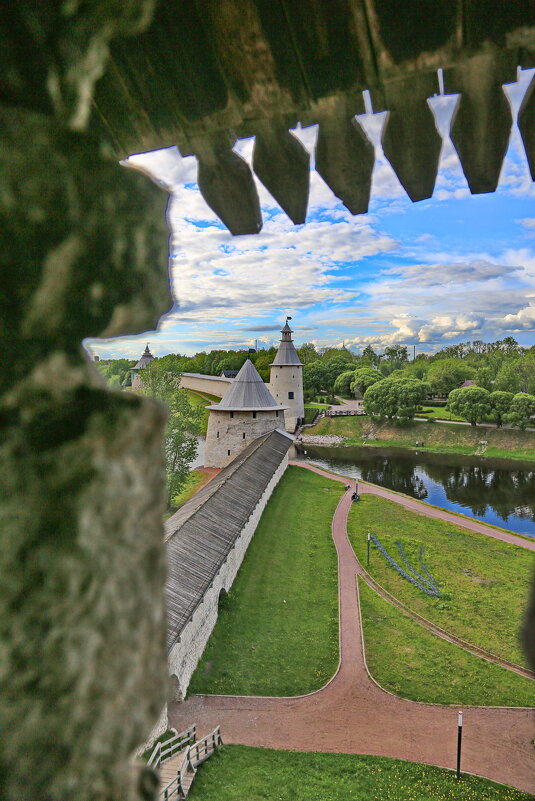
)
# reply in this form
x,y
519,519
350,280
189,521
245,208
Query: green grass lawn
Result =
x,y
413,663
241,773
438,437
277,631
485,582
438,413
193,482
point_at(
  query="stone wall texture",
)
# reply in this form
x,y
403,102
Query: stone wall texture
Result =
x,y
211,384
226,433
83,254
284,380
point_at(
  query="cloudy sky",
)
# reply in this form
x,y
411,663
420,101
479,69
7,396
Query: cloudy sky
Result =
x,y
444,270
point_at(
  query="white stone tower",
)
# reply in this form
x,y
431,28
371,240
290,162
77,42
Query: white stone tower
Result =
x,y
144,361
246,412
286,379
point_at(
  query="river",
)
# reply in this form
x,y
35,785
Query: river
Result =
x,y
496,491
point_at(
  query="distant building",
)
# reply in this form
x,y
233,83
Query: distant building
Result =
x,y
286,379
246,412
468,383
145,360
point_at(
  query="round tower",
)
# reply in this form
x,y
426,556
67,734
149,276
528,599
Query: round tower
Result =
x,y
145,359
286,379
245,413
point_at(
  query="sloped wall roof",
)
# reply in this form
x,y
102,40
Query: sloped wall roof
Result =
x,y
201,534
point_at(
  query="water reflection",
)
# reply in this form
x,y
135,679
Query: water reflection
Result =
x,y
497,491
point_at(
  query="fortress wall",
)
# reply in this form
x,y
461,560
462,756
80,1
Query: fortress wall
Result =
x,y
186,653
211,384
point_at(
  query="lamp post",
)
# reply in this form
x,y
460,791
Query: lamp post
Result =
x,y
369,537
459,742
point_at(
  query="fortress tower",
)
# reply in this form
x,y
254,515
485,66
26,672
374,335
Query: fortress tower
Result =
x,y
246,412
145,359
286,379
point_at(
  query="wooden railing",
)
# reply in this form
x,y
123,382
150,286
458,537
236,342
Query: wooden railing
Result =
x,y
168,748
194,755
204,748
343,412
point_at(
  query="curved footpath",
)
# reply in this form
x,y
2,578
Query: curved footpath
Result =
x,y
425,509
351,714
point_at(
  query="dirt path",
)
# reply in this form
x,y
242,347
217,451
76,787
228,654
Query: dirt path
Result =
x,y
351,714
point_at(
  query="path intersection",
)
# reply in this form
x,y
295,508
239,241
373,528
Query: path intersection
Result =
x,y
352,714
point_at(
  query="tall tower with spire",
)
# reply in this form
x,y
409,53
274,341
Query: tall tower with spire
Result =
x,y
145,359
245,413
286,379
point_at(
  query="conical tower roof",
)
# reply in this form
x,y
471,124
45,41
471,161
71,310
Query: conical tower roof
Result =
x,y
145,359
248,393
286,354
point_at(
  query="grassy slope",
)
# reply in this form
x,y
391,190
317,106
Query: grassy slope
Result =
x,y
439,437
195,480
239,773
485,582
277,633
411,662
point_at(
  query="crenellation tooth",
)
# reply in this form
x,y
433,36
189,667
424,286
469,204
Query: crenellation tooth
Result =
x,y
227,184
482,119
410,139
526,124
283,165
345,157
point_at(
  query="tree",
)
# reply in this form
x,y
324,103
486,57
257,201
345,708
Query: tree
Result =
x,y
472,403
394,358
342,385
182,428
363,378
501,405
307,353
116,372
484,378
395,398
447,374
521,409
315,377
517,375
370,356
333,368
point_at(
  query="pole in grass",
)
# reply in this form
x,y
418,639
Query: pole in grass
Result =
x,y
459,742
369,535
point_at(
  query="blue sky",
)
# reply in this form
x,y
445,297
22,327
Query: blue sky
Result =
x,y
444,270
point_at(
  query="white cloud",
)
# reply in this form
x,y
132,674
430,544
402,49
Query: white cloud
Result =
x,y
523,320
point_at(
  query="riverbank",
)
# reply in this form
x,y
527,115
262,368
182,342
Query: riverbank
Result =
x,y
428,436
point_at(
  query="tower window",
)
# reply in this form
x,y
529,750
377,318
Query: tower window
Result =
x,y
290,396
228,453
232,414
218,434
243,435
254,414
276,414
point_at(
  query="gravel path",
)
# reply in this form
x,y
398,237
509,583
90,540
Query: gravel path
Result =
x,y
351,714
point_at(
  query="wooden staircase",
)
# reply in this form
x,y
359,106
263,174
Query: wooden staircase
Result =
x,y
179,758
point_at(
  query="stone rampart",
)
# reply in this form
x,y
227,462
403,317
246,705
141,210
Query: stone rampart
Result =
x,y
185,654
211,384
